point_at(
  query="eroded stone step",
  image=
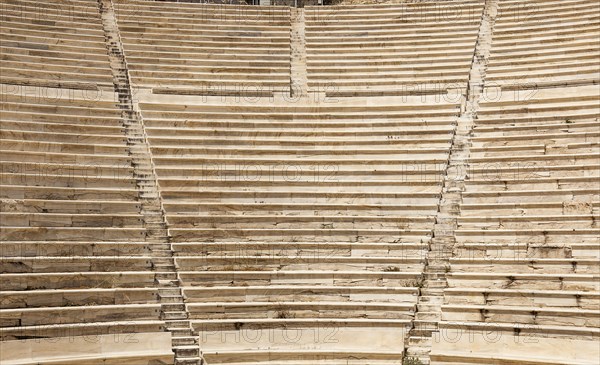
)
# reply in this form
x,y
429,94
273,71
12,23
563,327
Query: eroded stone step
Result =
x,y
187,351
188,361
185,341
177,315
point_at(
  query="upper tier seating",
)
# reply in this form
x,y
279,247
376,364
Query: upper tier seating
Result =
x,y
545,43
205,49
526,261
303,221
53,43
415,47
73,258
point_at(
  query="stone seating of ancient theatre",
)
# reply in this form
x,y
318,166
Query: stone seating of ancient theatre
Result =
x,y
370,50
298,231
53,43
74,262
525,265
209,49
290,222
545,43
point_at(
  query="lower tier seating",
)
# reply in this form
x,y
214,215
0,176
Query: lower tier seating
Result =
x,y
112,349
505,348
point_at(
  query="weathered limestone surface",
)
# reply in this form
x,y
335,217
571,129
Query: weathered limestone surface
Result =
x,y
206,50
291,222
53,44
126,348
430,180
407,48
508,349
557,39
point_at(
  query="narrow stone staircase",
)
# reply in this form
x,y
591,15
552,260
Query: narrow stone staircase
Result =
x,y
173,309
425,329
298,73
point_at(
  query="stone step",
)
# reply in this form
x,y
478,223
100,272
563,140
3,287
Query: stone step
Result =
x,y
427,299
422,358
155,238
169,291
162,252
177,315
172,307
171,299
168,283
155,224
177,325
436,269
432,291
181,332
434,276
184,340
188,361
425,323
156,231
155,221
428,316
163,261
152,209
164,267
418,351
166,276
418,341
436,284
424,307
187,351
422,331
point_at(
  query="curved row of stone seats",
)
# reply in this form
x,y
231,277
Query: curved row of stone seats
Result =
x,y
286,340
545,43
58,295
112,349
525,262
205,48
41,313
304,357
454,347
306,219
408,48
54,44
73,257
